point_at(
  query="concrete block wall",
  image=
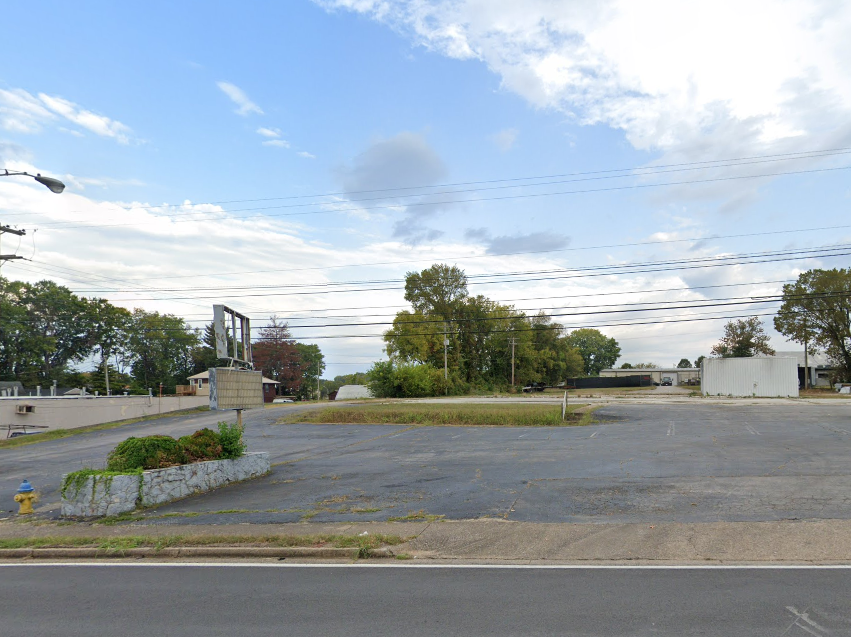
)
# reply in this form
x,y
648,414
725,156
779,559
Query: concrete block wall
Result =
x,y
98,496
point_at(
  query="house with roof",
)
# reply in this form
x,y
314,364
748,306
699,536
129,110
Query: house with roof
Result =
x,y
199,385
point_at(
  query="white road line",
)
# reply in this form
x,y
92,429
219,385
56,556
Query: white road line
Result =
x,y
805,616
671,429
752,430
593,434
656,567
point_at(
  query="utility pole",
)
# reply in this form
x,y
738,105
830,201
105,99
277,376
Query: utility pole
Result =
x,y
806,358
513,342
446,357
9,257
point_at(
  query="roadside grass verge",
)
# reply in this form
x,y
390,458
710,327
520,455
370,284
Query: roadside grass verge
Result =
x,y
56,434
117,544
469,415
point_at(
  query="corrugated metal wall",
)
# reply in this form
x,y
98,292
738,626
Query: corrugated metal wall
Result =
x,y
756,376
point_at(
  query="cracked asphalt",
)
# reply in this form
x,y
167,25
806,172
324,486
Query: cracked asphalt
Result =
x,y
641,463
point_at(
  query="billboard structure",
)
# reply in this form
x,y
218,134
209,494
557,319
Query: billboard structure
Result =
x,y
238,386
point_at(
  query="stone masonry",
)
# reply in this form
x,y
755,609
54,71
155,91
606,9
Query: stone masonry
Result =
x,y
99,496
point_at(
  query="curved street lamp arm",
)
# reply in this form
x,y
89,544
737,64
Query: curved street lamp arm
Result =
x,y
54,185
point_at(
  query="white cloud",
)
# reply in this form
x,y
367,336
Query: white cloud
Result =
x,y
25,113
238,97
505,139
671,75
97,124
280,143
304,153
269,132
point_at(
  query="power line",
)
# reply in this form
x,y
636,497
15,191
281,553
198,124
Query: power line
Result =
x,y
639,171
66,225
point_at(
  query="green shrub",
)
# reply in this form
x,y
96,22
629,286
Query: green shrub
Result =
x,y
204,444
231,440
150,452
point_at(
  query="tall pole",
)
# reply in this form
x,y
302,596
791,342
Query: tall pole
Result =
x,y
513,341
446,357
806,358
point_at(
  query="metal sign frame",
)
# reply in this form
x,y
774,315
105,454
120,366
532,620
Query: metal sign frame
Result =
x,y
220,315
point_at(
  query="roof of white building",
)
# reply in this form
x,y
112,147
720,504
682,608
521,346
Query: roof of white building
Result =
x,y
353,391
206,375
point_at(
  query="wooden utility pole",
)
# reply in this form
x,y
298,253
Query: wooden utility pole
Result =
x,y
513,342
20,233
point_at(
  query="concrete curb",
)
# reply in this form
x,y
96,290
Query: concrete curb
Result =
x,y
194,551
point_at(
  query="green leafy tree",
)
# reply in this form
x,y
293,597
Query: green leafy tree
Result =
x,y
597,350
684,363
743,338
816,311
162,348
699,361
311,364
626,366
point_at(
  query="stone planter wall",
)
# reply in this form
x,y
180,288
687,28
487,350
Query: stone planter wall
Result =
x,y
99,495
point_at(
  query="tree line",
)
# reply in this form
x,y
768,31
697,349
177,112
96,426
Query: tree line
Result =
x,y
47,333
480,342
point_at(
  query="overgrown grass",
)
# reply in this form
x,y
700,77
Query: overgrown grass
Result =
x,y
371,541
55,434
475,415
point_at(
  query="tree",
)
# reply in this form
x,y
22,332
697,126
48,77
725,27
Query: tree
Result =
x,y
437,290
699,360
816,311
162,348
275,354
598,351
311,364
626,366
684,363
743,338
646,366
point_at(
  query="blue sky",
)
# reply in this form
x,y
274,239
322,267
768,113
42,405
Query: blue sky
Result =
x,y
155,116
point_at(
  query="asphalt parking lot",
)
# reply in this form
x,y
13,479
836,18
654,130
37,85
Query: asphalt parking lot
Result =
x,y
641,463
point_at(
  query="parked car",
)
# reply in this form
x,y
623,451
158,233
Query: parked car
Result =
x,y
282,400
667,380
534,387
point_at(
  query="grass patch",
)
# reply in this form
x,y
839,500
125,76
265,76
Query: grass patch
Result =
x,y
416,515
117,544
56,434
473,415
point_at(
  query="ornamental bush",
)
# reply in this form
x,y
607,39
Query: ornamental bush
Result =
x,y
158,452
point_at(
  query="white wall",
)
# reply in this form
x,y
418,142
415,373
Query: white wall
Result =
x,y
79,411
758,376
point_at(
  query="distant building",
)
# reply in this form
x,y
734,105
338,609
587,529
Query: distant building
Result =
x,y
200,385
820,367
678,375
347,392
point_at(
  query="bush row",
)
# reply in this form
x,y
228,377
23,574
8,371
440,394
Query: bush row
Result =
x,y
157,452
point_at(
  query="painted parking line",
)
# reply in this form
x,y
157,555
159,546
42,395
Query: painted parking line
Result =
x,y
594,434
752,430
671,429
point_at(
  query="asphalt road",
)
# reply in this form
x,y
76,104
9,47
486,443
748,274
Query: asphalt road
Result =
x,y
85,600
686,463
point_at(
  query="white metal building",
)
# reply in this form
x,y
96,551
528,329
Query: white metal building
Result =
x,y
757,376
678,375
347,392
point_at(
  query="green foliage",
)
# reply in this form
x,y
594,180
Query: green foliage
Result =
x,y
743,338
816,311
230,437
597,351
149,452
387,380
684,363
204,444
699,360
76,480
312,364
157,452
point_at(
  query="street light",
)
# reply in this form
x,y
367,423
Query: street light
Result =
x,y
53,184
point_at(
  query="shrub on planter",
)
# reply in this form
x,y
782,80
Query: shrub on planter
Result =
x,y
204,444
150,452
231,439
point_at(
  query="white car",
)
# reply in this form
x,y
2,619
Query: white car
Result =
x,y
282,400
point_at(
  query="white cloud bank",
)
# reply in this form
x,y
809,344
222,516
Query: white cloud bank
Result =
x,y
238,97
22,112
674,76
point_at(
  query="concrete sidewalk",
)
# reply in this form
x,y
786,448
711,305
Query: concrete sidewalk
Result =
x,y
817,541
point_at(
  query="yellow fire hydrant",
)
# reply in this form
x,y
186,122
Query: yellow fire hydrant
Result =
x,y
25,497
